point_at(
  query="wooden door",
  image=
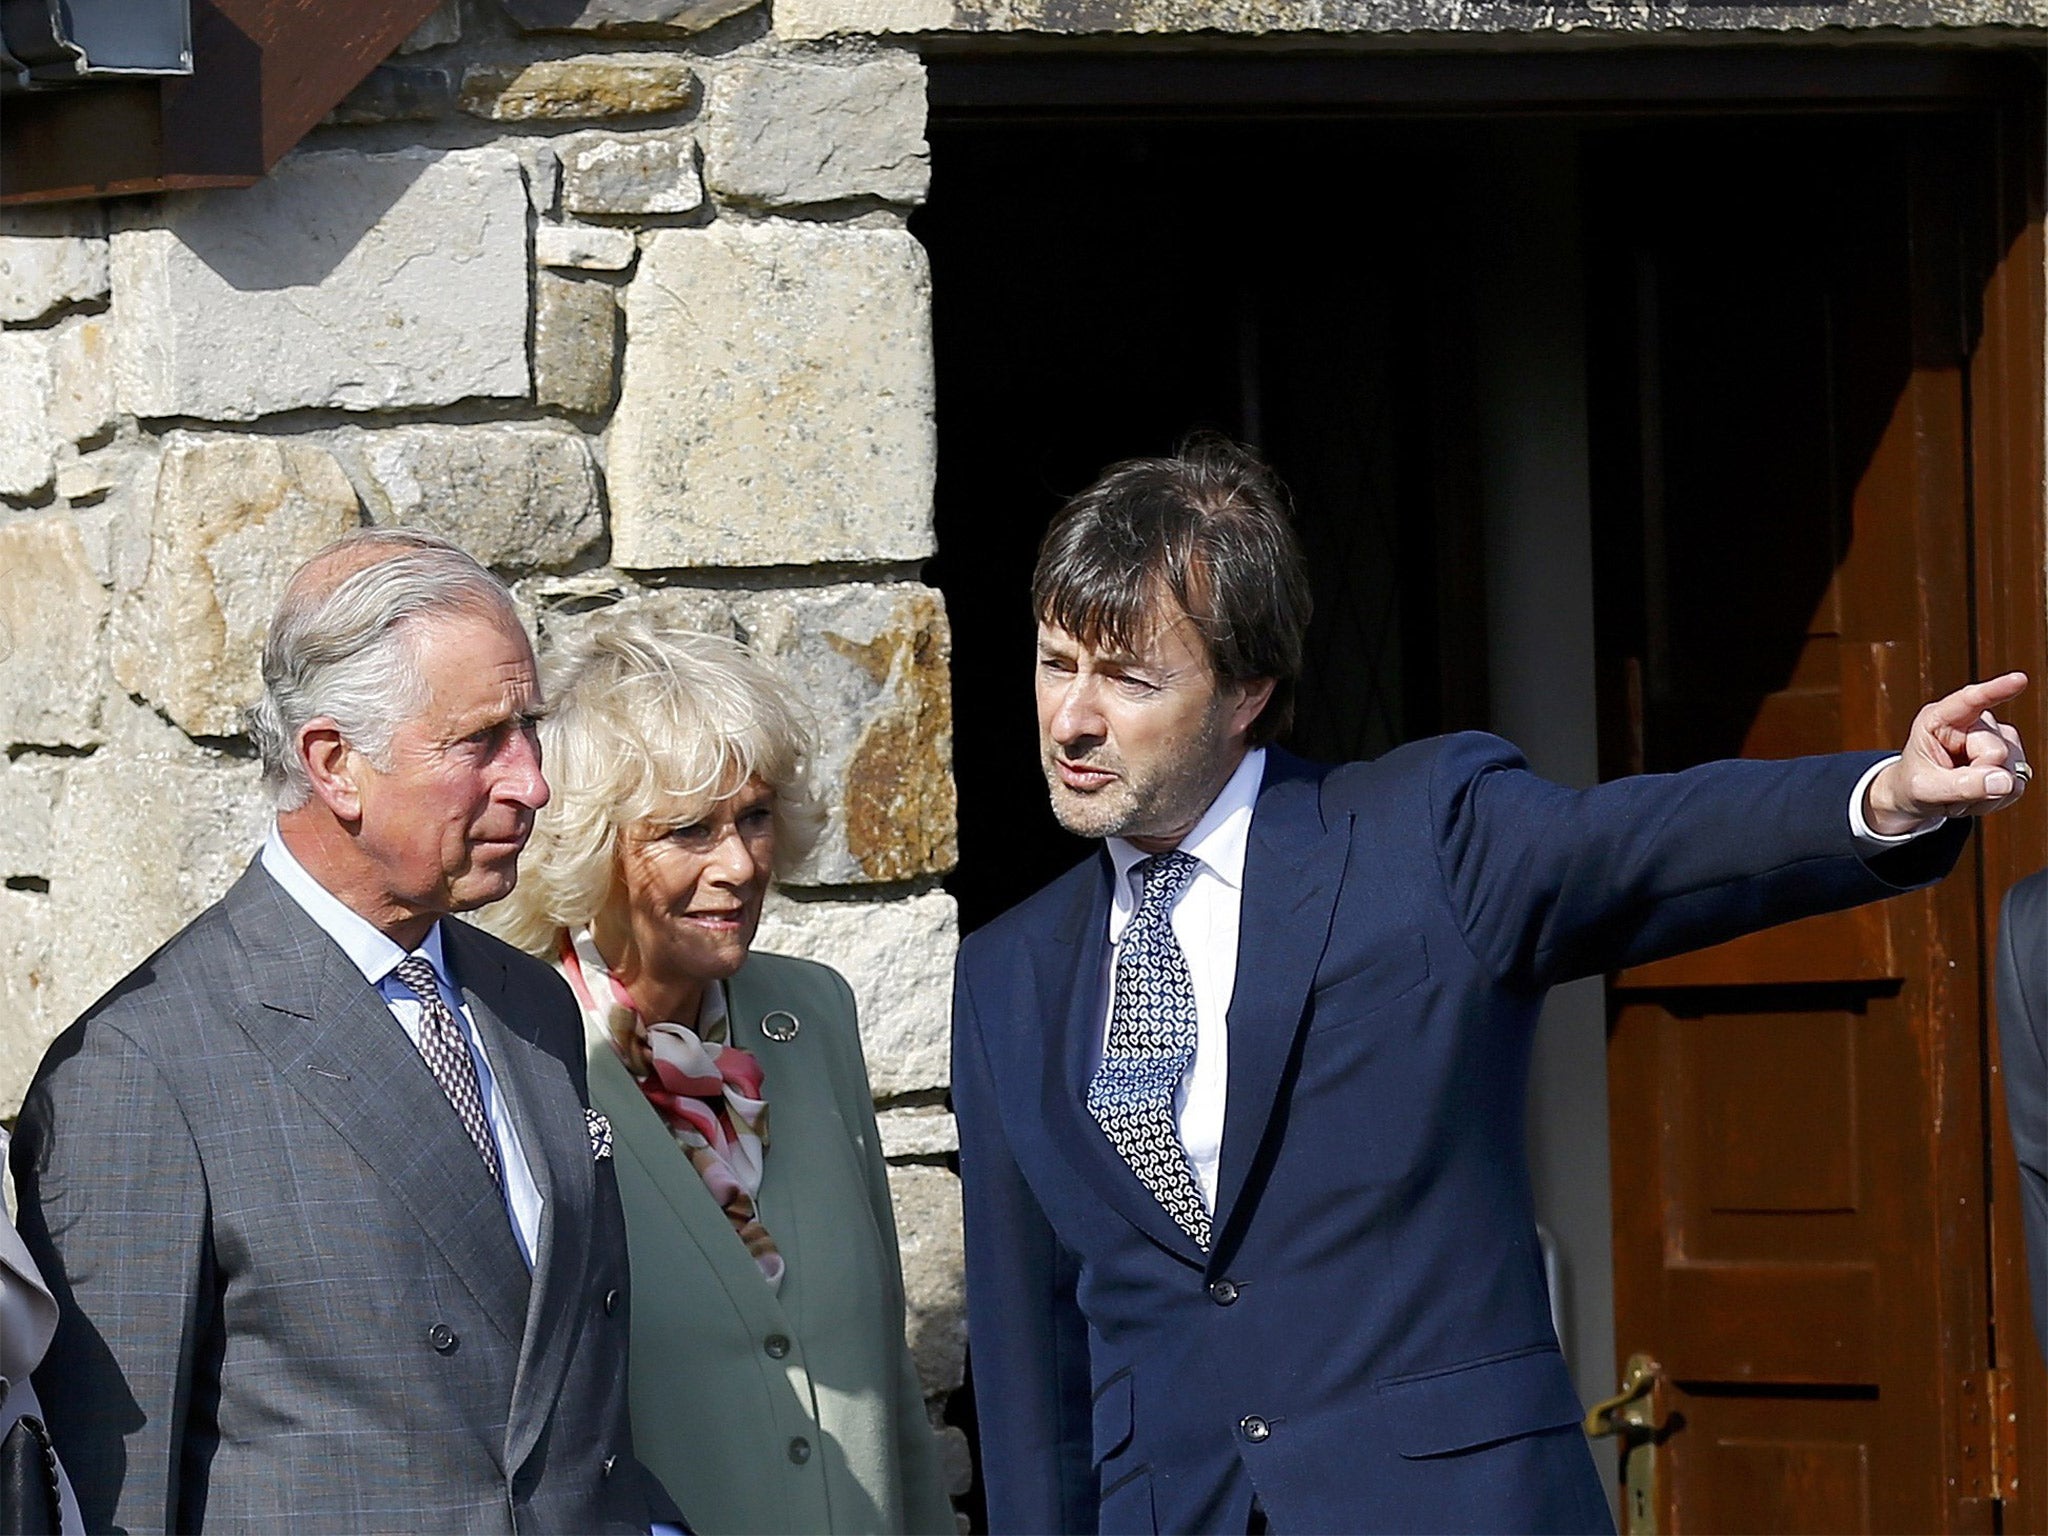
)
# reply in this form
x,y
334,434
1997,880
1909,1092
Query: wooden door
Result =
x,y
1799,1120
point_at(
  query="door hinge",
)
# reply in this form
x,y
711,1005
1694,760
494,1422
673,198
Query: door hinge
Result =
x,y
1989,1442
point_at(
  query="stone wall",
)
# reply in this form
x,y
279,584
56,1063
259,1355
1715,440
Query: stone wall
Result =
x,y
619,295
1406,19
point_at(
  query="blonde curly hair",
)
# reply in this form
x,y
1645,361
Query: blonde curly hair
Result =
x,y
648,722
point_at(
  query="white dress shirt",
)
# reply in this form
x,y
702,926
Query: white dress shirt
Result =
x,y
377,957
1205,922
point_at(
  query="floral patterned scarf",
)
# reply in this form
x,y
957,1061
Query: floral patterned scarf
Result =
x,y
708,1093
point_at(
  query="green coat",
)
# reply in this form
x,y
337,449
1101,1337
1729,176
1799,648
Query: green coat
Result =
x,y
766,1411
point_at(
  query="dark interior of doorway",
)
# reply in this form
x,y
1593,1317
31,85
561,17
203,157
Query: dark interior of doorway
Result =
x,y
1102,289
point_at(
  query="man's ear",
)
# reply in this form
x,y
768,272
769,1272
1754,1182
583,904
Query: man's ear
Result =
x,y
332,765
1251,702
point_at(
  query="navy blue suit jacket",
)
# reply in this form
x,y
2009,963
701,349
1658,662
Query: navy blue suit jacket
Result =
x,y
1367,1346
2023,1042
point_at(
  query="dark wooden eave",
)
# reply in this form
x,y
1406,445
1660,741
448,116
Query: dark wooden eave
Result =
x,y
264,72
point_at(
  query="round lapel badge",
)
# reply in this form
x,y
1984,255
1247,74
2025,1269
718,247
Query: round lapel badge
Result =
x,y
780,1026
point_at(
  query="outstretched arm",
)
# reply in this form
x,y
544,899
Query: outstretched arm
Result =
x,y
1553,883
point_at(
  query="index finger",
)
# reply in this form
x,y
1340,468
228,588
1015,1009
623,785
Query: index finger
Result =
x,y
1965,707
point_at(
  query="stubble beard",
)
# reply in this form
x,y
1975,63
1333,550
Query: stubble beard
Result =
x,y
1170,797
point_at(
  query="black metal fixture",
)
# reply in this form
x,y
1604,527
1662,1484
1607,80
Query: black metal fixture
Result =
x,y
50,44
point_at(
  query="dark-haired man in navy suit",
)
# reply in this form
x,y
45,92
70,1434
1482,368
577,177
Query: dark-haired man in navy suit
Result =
x,y
2023,1039
1250,1239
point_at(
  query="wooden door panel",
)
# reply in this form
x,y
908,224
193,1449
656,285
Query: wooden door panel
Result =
x,y
2010,564
1788,1464
1768,1126
1785,1110
1853,946
1785,1324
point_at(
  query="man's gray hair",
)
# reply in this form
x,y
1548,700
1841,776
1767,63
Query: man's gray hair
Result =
x,y
344,649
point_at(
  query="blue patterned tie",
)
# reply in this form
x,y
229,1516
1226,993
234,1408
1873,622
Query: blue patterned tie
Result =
x,y
1151,1042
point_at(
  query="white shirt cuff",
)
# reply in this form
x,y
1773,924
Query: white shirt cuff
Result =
x,y
1876,842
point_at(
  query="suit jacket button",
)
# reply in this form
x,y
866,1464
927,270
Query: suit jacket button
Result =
x,y
611,1302
776,1345
1254,1428
443,1338
609,1463
799,1450
1223,1292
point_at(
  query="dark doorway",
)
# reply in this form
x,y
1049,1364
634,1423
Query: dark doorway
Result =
x,y
1100,291
1328,288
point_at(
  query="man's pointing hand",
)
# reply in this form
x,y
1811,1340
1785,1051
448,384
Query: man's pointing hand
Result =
x,y
1958,760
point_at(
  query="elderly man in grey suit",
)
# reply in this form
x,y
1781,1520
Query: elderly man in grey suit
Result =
x,y
2023,1041
333,1233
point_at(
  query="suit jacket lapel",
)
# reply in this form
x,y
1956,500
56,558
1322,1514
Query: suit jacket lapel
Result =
x,y
541,1101
639,1134
1068,973
332,1038
1293,869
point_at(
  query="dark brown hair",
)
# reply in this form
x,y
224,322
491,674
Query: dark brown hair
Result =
x,y
1208,528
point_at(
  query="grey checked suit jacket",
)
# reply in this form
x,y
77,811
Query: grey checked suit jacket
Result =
x,y
291,1296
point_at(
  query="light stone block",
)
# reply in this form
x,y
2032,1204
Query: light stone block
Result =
x,y
27,975
871,662
56,388
364,282
113,492
442,27
28,445
776,407
898,958
929,1236
575,342
784,132
29,787
52,611
513,495
590,247
812,19
150,839
234,517
564,90
82,379
81,479
679,16
925,1130
631,172
50,257
956,1459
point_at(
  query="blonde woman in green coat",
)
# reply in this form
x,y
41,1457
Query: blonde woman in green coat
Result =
x,y
771,1386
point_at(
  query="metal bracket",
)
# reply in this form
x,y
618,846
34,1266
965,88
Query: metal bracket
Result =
x,y
1988,1442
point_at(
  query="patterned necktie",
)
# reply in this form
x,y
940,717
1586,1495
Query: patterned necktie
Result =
x,y
447,1056
1151,1042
